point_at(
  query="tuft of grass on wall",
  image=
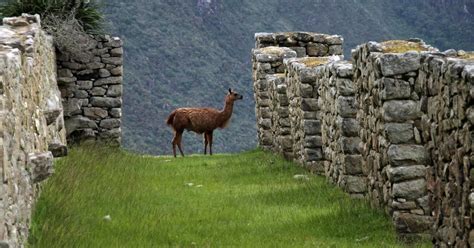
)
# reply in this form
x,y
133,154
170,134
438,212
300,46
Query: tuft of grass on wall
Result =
x,y
87,13
102,197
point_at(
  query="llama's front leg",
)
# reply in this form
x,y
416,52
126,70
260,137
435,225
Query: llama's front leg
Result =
x,y
180,135
205,143
210,142
174,142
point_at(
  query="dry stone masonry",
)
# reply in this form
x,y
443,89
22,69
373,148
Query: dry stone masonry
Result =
x,y
31,122
91,87
447,85
393,126
339,127
33,125
305,44
267,65
304,111
393,157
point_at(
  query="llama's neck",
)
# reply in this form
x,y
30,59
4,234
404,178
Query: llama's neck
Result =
x,y
226,113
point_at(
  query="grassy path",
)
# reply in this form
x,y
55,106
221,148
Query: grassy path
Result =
x,y
245,200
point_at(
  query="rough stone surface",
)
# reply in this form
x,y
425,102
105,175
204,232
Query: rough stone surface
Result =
x,y
94,88
31,118
393,127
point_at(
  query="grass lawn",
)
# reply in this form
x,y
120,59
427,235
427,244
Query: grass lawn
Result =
x,y
244,200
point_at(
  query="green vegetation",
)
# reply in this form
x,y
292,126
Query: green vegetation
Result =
x,y
245,200
179,53
85,12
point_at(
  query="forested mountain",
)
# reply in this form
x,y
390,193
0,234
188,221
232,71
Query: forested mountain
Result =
x,y
188,53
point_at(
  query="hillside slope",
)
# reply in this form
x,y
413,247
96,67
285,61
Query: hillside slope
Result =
x,y
187,53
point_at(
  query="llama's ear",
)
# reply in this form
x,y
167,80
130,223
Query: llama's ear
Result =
x,y
230,90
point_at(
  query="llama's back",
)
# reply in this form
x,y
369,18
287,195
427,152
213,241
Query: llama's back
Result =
x,y
199,120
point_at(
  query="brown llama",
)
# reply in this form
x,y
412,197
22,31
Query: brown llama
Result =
x,y
201,120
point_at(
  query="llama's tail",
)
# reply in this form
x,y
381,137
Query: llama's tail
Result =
x,y
169,120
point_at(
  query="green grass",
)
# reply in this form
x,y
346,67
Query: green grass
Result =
x,y
246,200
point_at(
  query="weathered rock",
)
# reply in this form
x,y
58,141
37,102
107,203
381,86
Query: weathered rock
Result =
x,y
317,49
117,71
57,149
113,60
103,73
107,81
95,113
412,223
394,89
400,110
84,85
110,123
403,173
98,91
114,90
410,190
41,165
354,184
400,155
108,102
398,133
79,122
395,64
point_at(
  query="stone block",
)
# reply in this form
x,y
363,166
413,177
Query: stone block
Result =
x,y
116,112
114,90
57,149
346,106
309,104
95,113
401,155
312,127
345,86
410,190
398,133
350,145
79,122
108,81
110,123
412,223
41,165
108,102
113,60
396,64
313,154
312,141
394,89
354,184
352,164
401,110
403,173
317,50
348,126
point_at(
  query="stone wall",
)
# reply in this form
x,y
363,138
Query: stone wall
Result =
x,y
389,114
447,86
268,62
304,110
31,122
394,126
305,44
340,129
91,87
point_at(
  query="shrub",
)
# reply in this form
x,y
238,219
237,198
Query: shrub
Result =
x,y
69,21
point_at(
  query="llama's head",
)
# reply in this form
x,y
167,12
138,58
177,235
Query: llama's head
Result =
x,y
233,96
